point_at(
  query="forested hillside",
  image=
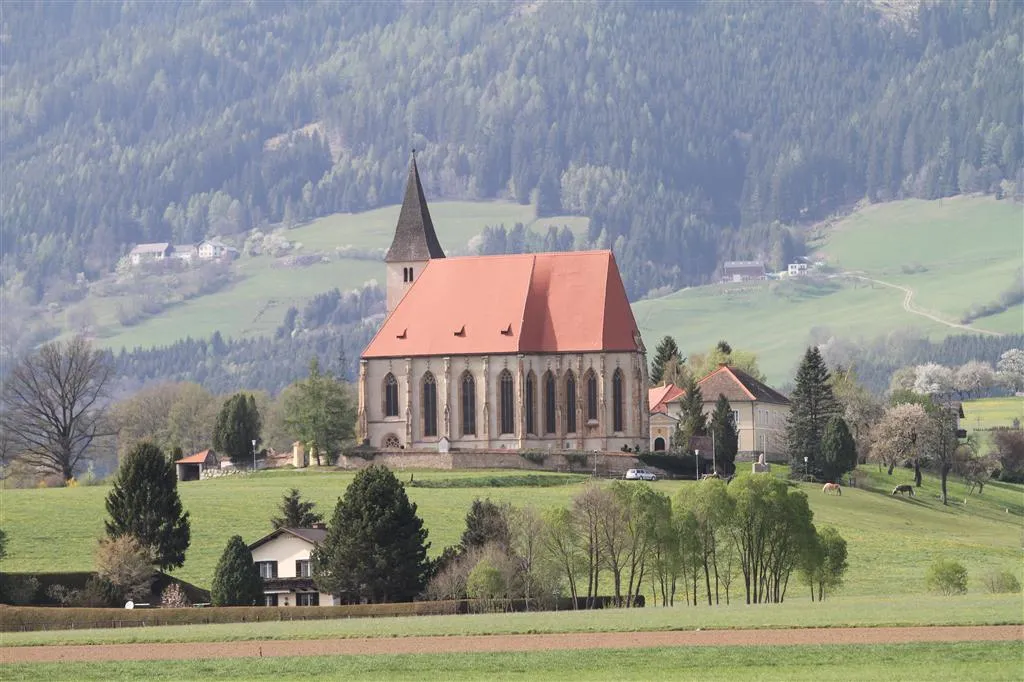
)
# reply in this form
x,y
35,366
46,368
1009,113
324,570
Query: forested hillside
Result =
x,y
688,133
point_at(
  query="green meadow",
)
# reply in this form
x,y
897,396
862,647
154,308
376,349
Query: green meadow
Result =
x,y
990,413
841,611
255,303
952,253
891,539
818,663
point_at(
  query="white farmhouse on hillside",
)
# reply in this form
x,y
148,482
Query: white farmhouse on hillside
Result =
x,y
148,253
283,559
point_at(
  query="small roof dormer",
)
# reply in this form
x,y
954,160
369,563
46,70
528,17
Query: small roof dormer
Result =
x,y
415,239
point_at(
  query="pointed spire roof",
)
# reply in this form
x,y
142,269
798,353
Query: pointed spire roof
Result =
x,y
415,239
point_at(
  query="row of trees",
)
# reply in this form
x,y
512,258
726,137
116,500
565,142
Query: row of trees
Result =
x,y
642,542
56,415
757,531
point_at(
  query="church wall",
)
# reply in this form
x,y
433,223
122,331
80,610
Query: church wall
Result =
x,y
486,371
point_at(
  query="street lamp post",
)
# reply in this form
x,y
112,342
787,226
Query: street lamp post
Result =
x,y
696,465
714,461
254,454
805,468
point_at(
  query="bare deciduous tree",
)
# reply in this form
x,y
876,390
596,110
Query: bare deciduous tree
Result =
x,y
54,404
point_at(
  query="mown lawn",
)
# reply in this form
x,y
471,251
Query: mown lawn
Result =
x,y
891,539
934,662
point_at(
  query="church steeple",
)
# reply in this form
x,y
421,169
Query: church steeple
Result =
x,y
415,241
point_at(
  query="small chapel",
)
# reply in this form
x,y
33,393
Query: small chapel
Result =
x,y
531,351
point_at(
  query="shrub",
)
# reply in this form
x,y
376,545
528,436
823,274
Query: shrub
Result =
x,y
1001,582
535,457
173,597
21,590
62,594
576,459
946,577
127,565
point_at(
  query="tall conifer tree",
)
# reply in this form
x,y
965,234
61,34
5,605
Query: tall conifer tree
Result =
x,y
726,438
376,546
236,581
812,405
692,421
238,425
144,503
666,351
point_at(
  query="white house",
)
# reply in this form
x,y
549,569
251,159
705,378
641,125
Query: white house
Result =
x,y
214,249
147,253
797,269
283,559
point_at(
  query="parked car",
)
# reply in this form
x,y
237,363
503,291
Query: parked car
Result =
x,y
640,475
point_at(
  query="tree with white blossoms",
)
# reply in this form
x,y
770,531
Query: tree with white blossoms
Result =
x,y
933,379
1010,369
899,434
973,378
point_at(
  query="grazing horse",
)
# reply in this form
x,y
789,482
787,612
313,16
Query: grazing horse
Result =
x,y
904,488
832,487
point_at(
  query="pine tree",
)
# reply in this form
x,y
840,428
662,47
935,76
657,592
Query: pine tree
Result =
x,y
838,450
666,351
144,503
236,581
376,548
726,438
486,523
238,425
296,513
811,406
692,420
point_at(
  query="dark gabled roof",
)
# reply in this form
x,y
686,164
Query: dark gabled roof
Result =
x,y
310,535
738,386
415,239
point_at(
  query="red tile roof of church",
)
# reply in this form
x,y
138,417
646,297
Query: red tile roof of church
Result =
x,y
530,303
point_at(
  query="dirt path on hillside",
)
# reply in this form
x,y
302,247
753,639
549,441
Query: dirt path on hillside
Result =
x,y
908,305
495,643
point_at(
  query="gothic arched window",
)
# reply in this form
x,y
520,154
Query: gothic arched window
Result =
x,y
468,389
429,406
570,402
530,403
507,402
618,409
549,402
390,395
591,384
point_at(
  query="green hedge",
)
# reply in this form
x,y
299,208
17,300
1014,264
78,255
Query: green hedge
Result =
x,y
26,618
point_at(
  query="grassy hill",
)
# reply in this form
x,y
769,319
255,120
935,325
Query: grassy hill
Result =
x,y
952,254
256,302
891,539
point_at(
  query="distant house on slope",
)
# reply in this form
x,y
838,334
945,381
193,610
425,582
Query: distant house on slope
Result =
x,y
283,560
743,271
214,249
150,253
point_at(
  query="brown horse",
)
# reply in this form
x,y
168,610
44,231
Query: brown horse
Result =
x,y
832,488
904,488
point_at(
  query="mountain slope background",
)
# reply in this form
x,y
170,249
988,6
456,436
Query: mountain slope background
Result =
x,y
685,135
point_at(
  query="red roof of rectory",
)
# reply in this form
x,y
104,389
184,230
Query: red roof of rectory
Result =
x,y
530,303
659,396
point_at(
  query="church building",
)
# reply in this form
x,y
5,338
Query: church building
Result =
x,y
531,351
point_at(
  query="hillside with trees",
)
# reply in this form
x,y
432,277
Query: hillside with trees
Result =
x,y
688,134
